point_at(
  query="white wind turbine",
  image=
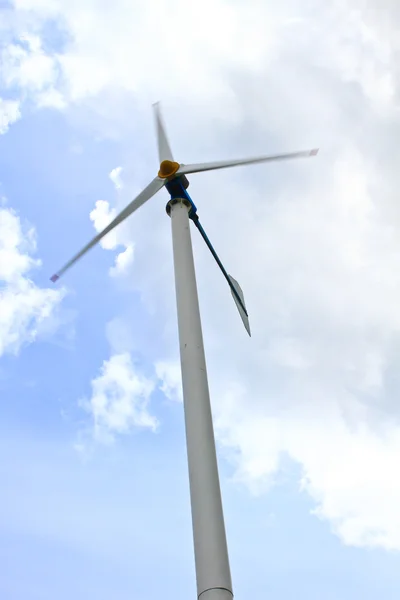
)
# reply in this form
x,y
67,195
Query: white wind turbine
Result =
x,y
210,547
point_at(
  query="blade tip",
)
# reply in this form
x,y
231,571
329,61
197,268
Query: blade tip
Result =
x,y
247,325
54,278
314,152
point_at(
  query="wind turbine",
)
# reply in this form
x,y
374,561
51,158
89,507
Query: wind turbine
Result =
x,y
210,548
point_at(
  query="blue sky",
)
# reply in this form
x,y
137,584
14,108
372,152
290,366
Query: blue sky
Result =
x,y
94,492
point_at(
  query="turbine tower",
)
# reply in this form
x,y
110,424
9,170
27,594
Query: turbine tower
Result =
x,y
210,547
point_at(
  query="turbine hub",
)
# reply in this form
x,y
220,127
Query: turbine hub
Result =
x,y
168,168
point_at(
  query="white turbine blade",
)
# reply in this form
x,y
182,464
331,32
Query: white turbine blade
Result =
x,y
224,164
164,149
145,195
239,292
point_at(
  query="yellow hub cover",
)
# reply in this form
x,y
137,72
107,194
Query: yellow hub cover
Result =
x,y
168,168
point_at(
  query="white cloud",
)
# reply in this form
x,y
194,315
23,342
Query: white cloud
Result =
x,y
50,98
120,399
27,67
123,262
358,43
317,381
9,113
24,307
326,332
101,216
169,375
115,177
348,463
121,394
93,62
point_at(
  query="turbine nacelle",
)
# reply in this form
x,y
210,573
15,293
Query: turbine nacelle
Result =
x,y
169,170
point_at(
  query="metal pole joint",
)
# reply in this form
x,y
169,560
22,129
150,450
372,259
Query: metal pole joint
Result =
x,y
174,201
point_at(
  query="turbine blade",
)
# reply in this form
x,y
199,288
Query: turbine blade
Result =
x,y
145,195
241,304
164,149
224,164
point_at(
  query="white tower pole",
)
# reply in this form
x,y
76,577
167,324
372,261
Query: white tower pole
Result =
x,y
210,547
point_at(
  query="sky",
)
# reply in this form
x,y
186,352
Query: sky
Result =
x,y
94,498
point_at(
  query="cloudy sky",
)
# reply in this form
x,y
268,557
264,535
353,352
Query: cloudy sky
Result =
x,y
93,478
